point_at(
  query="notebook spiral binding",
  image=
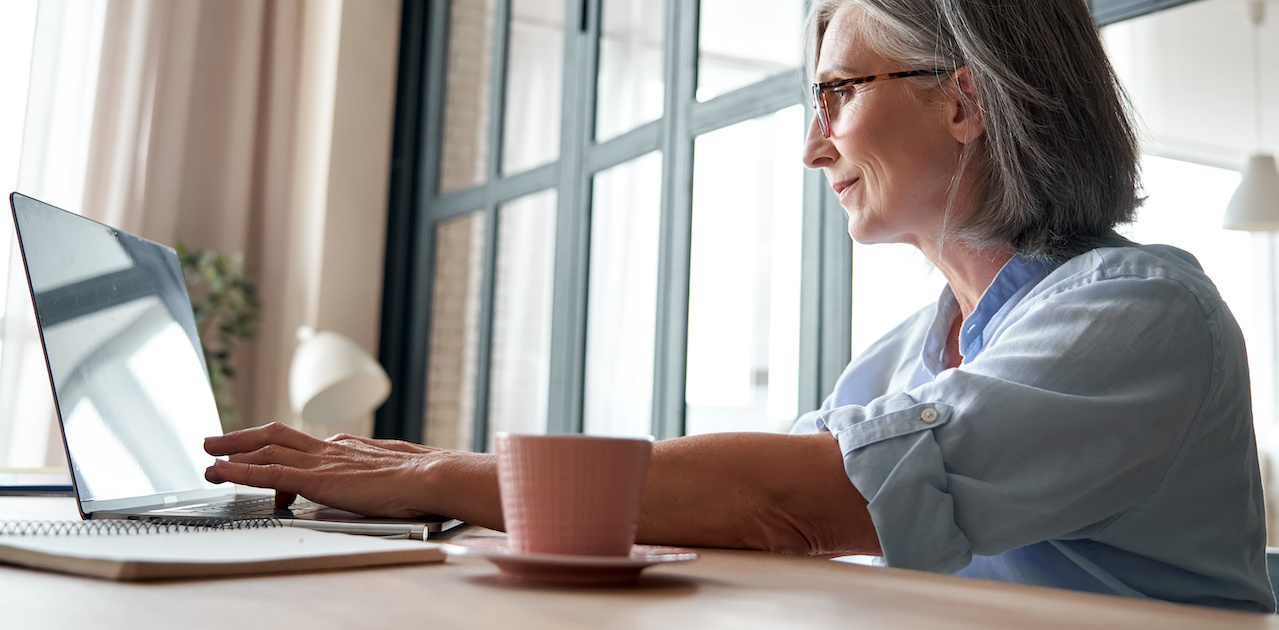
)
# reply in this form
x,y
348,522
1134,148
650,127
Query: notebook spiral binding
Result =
x,y
120,527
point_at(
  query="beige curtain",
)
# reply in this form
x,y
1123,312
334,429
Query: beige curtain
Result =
x,y
261,127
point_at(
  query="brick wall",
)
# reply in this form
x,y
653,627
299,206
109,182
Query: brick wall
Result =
x,y
455,313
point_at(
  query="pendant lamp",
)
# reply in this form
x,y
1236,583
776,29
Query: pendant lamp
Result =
x,y
1255,204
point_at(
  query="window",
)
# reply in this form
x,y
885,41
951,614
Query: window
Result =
x,y
743,312
604,225
621,296
17,31
49,54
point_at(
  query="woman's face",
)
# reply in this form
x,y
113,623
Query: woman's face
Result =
x,y
892,151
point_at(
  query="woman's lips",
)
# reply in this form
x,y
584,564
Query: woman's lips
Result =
x,y
843,187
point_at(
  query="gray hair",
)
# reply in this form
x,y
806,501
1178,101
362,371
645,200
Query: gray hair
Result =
x,y
1056,168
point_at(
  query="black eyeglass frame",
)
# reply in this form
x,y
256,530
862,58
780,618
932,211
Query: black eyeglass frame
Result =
x,y
820,89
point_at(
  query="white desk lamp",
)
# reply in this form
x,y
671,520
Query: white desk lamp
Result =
x,y
1255,204
334,385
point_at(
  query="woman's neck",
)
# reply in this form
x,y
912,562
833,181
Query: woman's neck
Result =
x,y
969,271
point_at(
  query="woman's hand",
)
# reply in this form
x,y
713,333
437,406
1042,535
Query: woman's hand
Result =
x,y
745,490
389,478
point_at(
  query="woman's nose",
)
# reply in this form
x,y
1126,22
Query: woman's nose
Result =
x,y
818,150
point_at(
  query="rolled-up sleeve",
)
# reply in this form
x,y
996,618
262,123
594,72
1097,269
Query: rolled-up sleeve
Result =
x,y
1072,414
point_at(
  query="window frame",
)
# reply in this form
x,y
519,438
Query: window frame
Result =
x,y
1110,11
416,208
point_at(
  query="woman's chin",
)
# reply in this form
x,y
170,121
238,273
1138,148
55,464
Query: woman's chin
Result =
x,y
863,236
857,239
879,233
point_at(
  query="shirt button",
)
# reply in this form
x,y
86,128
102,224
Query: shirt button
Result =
x,y
928,415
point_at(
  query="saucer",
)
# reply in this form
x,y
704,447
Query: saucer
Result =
x,y
564,569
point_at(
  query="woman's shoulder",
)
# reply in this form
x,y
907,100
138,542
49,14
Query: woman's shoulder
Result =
x,y
1122,261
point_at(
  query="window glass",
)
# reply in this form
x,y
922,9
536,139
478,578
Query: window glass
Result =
x,y
622,307
630,84
891,281
521,351
455,323
743,323
534,83
743,41
464,162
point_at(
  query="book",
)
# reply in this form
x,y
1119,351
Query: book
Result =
x,y
138,550
35,481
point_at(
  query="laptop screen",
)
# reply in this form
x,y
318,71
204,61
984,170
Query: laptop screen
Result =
x,y
128,375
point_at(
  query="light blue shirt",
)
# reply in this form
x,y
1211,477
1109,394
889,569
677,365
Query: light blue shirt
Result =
x,y
1097,436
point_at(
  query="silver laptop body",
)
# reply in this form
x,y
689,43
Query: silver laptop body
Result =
x,y
130,383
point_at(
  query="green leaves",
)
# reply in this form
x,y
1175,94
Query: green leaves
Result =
x,y
227,307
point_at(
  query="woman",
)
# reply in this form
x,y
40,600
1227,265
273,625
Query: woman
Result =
x,y
1072,412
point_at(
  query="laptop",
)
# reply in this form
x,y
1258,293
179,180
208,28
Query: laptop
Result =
x,y
130,384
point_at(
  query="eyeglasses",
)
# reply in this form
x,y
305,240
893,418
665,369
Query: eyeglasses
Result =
x,y
843,90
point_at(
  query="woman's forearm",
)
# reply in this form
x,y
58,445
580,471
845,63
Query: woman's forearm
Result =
x,y
785,493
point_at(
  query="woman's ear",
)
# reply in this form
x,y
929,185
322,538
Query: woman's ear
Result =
x,y
966,123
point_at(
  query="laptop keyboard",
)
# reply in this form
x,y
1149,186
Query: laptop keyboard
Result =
x,y
258,507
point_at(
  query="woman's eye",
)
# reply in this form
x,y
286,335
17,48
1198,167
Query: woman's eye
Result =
x,y
843,94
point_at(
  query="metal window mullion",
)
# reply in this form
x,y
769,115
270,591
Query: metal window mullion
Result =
x,y
775,93
492,218
405,415
1107,12
402,194
826,305
526,182
837,290
637,142
484,333
501,191
497,95
810,293
572,222
670,361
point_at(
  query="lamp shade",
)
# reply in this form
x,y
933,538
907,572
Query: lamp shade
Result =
x,y
334,384
1255,204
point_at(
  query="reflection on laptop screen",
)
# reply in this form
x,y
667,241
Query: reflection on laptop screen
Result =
x,y
128,374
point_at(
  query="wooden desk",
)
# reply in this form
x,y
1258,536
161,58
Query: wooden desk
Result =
x,y
724,589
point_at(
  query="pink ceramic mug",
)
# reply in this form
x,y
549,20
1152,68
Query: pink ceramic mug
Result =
x,y
571,494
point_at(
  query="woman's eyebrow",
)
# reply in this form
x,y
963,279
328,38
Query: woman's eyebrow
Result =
x,y
835,69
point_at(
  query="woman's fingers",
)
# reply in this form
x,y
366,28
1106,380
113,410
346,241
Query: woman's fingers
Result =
x,y
255,475
276,454
284,499
246,440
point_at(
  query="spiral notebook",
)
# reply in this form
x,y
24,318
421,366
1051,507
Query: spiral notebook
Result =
x,y
138,550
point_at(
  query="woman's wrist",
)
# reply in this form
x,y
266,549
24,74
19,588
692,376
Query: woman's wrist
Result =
x,y
462,485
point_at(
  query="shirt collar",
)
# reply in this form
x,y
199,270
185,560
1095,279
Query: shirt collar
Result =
x,y
1017,277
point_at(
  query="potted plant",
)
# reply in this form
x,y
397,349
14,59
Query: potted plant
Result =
x,y
226,306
